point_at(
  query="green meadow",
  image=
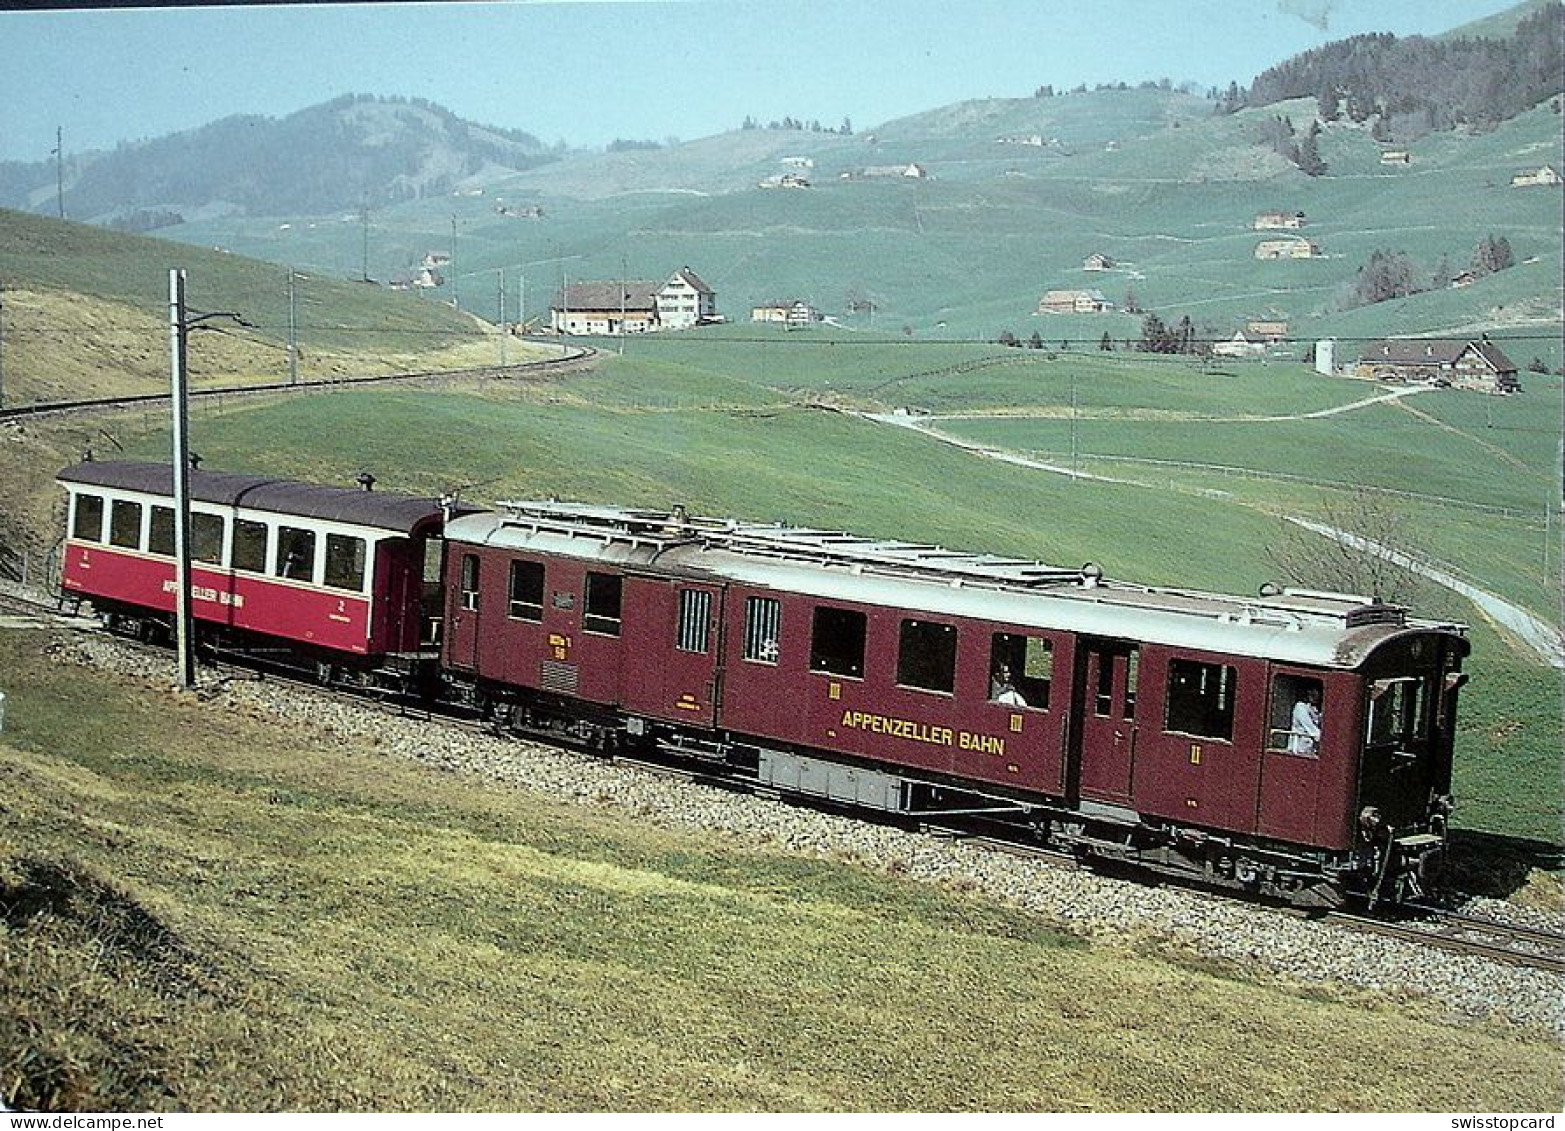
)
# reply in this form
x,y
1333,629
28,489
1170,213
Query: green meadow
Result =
x,y
1198,468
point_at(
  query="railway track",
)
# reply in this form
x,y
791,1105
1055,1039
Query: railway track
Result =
x,y
1423,924
575,358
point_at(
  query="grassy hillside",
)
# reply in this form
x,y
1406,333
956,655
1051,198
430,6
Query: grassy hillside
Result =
x,y
208,910
1206,465
1152,178
85,313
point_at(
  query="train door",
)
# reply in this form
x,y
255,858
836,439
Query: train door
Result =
x,y
690,668
462,629
1104,706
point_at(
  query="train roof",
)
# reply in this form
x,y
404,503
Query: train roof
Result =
x,y
380,510
1318,629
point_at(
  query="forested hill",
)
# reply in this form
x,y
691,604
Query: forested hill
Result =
x,y
340,154
1415,85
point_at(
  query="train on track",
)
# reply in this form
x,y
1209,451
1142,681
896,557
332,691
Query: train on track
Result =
x,y
1296,745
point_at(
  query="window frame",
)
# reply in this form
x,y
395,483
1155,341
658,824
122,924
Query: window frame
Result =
x,y
762,631
1036,654
596,593
84,504
693,627
359,568
284,548
1210,710
247,527
927,651
117,531
821,659
469,583
526,610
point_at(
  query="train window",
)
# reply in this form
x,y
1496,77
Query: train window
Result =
x,y
926,657
345,560
837,642
1201,699
601,611
295,553
206,538
1295,715
470,582
1103,699
249,552
695,620
1396,712
1021,670
762,629
125,524
526,591
160,532
88,523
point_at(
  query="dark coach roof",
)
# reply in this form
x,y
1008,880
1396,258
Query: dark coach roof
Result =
x,y
351,505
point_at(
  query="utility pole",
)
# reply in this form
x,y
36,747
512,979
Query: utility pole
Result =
x,y
2,345
364,219
178,336
293,330
59,169
503,332
456,297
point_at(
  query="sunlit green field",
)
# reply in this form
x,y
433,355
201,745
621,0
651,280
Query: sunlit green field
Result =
x,y
763,430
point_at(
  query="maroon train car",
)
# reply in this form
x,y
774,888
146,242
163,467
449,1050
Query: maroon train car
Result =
x,y
338,572
1297,744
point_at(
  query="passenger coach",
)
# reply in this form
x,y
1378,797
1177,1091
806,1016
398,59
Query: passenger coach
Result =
x,y
1282,742
338,572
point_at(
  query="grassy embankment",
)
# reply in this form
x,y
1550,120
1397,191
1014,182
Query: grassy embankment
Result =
x,y
206,910
86,315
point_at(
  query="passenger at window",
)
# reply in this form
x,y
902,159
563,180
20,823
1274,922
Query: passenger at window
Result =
x,y
1002,690
1304,737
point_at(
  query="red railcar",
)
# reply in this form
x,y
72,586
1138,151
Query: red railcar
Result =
x,y
337,573
1287,743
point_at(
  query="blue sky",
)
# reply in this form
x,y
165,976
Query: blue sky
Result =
x,y
588,72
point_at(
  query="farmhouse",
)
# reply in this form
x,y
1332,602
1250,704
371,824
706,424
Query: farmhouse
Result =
x,y
1464,363
1074,302
1287,249
634,306
1272,221
1543,176
790,312
1238,346
881,172
1097,261
1267,329
1396,157
784,180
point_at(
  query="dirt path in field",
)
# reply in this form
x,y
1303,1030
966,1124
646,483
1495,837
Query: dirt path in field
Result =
x,y
1539,636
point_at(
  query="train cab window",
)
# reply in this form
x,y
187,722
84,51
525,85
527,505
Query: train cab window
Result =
x,y
249,552
762,629
295,558
125,524
87,526
1396,712
160,532
926,656
345,562
1201,699
1021,670
601,611
695,620
837,642
470,582
206,538
526,591
1295,715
